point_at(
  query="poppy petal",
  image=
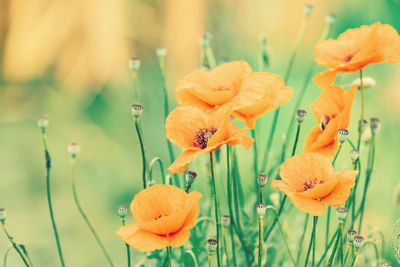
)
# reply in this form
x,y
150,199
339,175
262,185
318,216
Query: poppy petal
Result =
x,y
309,205
341,192
181,163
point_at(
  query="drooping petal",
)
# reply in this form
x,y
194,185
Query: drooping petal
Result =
x,y
341,192
181,163
309,205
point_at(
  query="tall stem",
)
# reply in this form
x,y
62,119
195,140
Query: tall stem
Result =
x,y
168,259
255,158
49,202
302,238
83,214
362,110
260,240
286,79
128,250
312,241
296,140
332,257
139,134
15,246
230,201
336,155
217,223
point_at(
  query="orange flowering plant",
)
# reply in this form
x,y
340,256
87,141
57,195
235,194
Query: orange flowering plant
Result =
x,y
251,94
164,215
311,183
332,112
242,206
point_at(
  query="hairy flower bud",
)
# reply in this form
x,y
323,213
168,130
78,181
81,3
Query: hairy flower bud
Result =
x,y
300,115
43,122
134,64
342,135
122,210
137,110
262,179
73,149
261,209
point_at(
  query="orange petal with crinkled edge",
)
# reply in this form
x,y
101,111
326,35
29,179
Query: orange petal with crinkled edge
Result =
x,y
260,93
141,240
207,89
298,169
180,238
341,192
181,163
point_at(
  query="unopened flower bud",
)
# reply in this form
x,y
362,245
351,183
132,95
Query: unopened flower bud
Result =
x,y
386,264
137,110
358,242
261,209
262,179
212,245
134,64
161,52
300,115
342,135
190,177
43,122
341,213
350,235
3,215
122,210
308,10
397,195
354,155
73,149
330,19
375,126
367,82
225,221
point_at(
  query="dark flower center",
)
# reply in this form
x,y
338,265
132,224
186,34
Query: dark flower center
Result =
x,y
348,58
202,137
309,184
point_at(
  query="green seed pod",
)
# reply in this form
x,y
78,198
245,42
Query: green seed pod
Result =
x,y
122,210
225,221
43,122
73,149
134,64
137,110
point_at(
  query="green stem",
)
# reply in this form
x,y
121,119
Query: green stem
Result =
x,y
168,259
49,202
328,220
15,246
331,258
296,140
153,161
166,112
260,240
128,250
230,201
217,223
83,214
336,155
302,238
312,241
328,247
225,246
371,159
282,204
362,110
139,134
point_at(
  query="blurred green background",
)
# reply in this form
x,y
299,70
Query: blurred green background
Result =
x,y
68,60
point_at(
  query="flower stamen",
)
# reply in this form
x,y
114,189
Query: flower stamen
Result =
x,y
311,183
202,137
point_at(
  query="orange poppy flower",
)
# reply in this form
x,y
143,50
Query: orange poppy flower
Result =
x,y
332,111
198,132
310,182
164,215
252,94
356,48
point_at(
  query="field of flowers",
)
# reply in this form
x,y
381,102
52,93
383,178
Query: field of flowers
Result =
x,y
230,145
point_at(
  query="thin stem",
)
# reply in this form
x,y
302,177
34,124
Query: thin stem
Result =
x,y
312,241
260,240
83,214
128,250
336,155
255,158
209,259
153,161
328,247
139,134
328,220
225,246
49,202
331,258
362,110
168,259
161,63
217,223
286,80
282,204
15,246
302,238
230,201
296,140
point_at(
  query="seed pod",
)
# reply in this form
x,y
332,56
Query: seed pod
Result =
x,y
350,235
73,149
212,245
3,215
341,213
43,122
134,64
300,115
225,221
262,179
342,135
308,10
190,177
354,155
358,242
261,209
122,210
137,110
